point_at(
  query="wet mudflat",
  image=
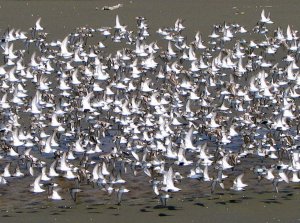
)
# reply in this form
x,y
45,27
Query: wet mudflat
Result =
x,y
237,207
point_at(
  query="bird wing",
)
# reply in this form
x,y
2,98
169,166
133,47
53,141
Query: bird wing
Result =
x,y
239,179
283,176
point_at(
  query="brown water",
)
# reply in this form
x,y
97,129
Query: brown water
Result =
x,y
194,203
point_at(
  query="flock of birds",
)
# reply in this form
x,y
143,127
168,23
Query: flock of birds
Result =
x,y
169,109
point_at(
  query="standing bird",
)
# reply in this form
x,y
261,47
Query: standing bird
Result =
x,y
120,191
217,180
75,190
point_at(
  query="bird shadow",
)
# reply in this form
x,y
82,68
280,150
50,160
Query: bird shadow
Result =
x,y
290,195
199,204
271,201
235,201
221,202
169,207
245,198
6,216
144,210
163,215
90,208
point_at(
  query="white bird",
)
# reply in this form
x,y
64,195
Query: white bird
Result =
x,y
295,178
64,52
238,183
2,180
169,183
265,19
54,194
36,188
118,24
224,163
120,193
38,26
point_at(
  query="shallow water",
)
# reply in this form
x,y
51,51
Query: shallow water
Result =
x,y
194,203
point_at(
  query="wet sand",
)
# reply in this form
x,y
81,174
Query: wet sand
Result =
x,y
236,207
194,203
